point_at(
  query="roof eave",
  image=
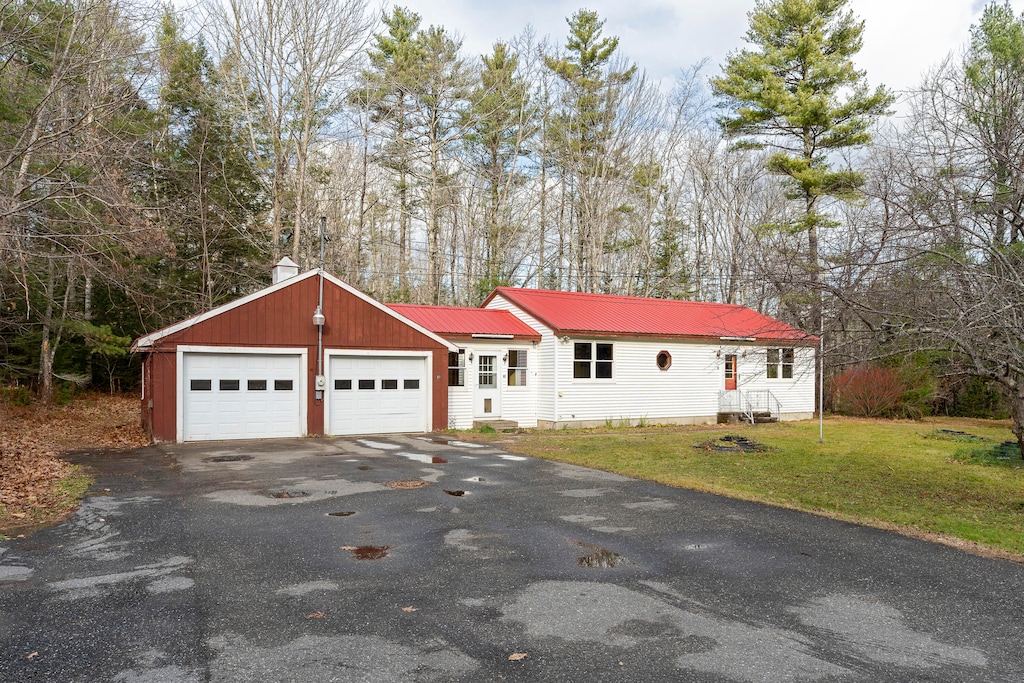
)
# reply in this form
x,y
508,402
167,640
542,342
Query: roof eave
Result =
x,y
715,339
147,342
503,291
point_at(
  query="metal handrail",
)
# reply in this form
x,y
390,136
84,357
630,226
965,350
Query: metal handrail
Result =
x,y
747,403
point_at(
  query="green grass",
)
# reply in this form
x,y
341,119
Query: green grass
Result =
x,y
901,474
73,487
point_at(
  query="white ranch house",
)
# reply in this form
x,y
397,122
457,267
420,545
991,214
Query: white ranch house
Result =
x,y
540,358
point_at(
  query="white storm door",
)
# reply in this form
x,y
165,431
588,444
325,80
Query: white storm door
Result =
x,y
241,396
378,394
487,399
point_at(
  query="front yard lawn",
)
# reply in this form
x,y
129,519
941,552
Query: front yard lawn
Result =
x,y
933,479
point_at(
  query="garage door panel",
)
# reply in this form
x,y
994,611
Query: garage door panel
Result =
x,y
377,394
241,396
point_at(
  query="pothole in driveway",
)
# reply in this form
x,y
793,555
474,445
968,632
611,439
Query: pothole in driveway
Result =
x,y
455,493
367,552
598,557
364,468
411,484
289,494
345,513
228,458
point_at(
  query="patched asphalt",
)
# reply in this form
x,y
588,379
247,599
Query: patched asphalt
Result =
x,y
426,559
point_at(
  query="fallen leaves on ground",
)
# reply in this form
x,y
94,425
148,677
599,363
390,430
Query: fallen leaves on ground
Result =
x,y
316,615
32,438
410,608
517,656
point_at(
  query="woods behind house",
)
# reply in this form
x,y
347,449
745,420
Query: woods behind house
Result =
x,y
154,162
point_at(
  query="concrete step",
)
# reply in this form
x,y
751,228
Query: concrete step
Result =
x,y
499,425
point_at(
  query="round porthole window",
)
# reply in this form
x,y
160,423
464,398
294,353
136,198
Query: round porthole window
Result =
x,y
664,360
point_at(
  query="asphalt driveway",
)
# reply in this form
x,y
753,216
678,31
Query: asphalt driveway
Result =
x,y
419,559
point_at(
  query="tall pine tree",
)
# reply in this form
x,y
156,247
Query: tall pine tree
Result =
x,y
796,92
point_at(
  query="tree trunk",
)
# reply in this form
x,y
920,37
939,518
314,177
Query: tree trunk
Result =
x,y
87,314
46,346
1018,416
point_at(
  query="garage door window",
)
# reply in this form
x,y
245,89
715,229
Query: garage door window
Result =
x,y
201,385
256,385
367,384
389,384
282,385
412,384
229,385
343,384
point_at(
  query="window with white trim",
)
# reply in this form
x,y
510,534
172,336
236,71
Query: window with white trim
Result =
x,y
592,360
516,368
780,364
457,368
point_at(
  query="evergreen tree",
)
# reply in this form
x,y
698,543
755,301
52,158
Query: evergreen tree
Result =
x,y
797,92
442,86
583,132
500,122
993,106
208,190
387,89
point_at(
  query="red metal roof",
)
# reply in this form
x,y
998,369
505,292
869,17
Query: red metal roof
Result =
x,y
449,321
580,313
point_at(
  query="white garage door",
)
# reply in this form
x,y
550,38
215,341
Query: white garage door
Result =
x,y
241,396
378,394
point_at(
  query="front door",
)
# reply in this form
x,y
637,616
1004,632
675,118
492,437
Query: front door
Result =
x,y
730,372
488,394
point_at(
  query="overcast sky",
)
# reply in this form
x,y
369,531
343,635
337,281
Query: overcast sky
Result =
x,y
902,39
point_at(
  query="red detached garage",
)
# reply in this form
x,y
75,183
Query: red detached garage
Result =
x,y
249,369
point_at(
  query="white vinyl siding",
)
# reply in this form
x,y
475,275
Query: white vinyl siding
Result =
x,y
541,379
686,391
517,403
796,393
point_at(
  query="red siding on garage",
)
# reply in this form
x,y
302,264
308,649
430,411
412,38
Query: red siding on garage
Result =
x,y
284,319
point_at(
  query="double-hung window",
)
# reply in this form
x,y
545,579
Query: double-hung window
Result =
x,y
457,368
516,368
592,360
780,364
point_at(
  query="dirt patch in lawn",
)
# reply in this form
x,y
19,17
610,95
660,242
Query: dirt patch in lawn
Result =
x,y
38,487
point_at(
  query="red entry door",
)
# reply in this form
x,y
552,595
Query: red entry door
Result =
x,y
730,372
